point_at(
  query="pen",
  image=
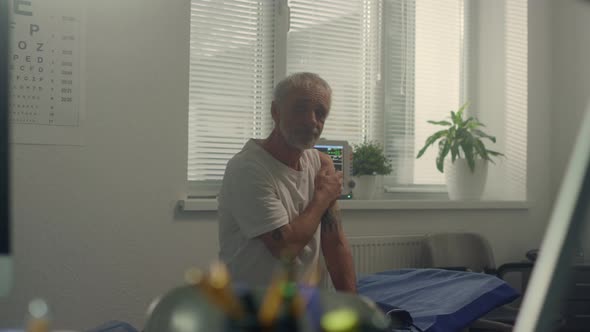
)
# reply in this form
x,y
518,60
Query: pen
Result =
x,y
216,287
220,288
39,312
271,303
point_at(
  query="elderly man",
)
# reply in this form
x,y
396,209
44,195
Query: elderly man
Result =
x,y
278,191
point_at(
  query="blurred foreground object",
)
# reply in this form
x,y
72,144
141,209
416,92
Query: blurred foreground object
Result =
x,y
188,309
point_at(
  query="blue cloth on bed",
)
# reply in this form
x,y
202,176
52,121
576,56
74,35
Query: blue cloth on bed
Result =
x,y
438,300
114,326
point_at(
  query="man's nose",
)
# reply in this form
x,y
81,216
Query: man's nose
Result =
x,y
310,118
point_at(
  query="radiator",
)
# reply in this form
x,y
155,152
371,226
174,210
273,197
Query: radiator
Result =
x,y
373,254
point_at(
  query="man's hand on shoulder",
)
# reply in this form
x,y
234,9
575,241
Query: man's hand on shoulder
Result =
x,y
326,162
328,182
328,187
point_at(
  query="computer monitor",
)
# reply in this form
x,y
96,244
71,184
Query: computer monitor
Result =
x,y
5,245
571,213
341,154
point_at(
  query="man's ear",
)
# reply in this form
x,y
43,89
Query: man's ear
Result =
x,y
274,111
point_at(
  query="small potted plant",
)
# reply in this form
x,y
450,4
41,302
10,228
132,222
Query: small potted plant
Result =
x,y
368,163
467,168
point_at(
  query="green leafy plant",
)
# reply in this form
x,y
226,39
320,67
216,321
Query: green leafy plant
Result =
x,y
462,138
368,159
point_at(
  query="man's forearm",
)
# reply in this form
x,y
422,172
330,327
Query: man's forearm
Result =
x,y
289,240
341,269
337,253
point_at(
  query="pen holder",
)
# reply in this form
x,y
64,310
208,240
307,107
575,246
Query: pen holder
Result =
x,y
187,309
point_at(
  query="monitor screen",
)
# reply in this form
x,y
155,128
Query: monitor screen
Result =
x,y
5,244
341,154
571,213
335,152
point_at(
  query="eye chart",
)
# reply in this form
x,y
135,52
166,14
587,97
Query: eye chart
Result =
x,y
45,68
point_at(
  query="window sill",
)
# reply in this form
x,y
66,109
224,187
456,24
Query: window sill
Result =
x,y
421,204
210,204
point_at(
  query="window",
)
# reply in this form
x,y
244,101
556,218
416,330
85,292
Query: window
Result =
x,y
392,64
232,57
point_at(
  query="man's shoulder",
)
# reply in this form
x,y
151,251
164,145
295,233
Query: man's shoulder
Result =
x,y
324,158
245,161
314,158
243,170
248,160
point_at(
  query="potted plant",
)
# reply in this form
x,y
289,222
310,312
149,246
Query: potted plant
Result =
x,y
368,162
466,169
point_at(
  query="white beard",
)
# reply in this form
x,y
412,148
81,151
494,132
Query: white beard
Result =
x,y
300,142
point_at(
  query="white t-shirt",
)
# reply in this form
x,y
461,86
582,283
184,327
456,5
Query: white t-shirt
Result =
x,y
258,195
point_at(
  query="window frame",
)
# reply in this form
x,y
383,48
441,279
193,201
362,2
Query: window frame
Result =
x,y
210,188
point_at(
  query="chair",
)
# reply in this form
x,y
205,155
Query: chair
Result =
x,y
472,252
462,251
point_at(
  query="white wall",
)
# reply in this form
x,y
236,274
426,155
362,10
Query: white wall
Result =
x,y
570,85
96,230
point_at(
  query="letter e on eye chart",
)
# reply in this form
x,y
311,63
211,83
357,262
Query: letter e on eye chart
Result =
x,y
45,69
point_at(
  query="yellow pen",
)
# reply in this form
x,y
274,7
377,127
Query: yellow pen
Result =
x,y
39,313
271,304
216,287
296,301
219,287
298,305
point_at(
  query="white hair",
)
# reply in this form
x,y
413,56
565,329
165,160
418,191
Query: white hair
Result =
x,y
298,81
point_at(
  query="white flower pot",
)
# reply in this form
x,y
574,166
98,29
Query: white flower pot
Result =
x,y
462,184
365,187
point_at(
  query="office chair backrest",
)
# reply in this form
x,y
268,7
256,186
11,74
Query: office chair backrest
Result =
x,y
459,250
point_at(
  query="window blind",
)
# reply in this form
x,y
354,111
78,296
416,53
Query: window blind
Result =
x,y
438,76
339,40
423,81
393,65
398,88
516,119
231,80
